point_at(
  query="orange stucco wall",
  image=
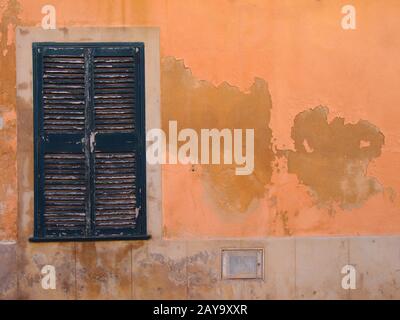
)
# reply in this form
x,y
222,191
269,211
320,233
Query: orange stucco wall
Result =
x,y
276,61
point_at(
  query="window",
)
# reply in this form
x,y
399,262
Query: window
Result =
x,y
90,167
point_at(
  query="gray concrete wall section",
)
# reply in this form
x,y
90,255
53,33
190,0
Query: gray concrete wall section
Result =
x,y
295,268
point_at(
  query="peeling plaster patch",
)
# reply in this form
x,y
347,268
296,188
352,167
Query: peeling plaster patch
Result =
x,y
32,258
157,275
164,274
174,267
198,104
334,164
103,270
284,220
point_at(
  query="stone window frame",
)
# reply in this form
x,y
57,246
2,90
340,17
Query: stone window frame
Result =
x,y
25,36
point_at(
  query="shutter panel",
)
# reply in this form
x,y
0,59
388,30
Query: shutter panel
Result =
x,y
117,162
89,141
61,194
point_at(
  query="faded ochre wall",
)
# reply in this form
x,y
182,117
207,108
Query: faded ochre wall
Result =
x,y
323,100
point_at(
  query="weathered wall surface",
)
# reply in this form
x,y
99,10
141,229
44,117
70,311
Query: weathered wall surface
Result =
x,y
323,103
295,268
285,68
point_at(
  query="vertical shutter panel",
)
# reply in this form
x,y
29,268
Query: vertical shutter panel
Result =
x,y
60,97
117,106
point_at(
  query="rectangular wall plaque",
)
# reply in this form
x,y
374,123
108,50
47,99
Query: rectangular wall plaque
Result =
x,y
242,263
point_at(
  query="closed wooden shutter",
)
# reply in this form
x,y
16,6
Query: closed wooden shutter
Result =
x,y
89,141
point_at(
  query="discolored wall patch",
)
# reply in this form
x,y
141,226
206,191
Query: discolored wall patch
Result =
x,y
198,104
332,157
9,19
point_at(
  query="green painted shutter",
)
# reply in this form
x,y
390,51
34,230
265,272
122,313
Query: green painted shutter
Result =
x,y
117,79
89,141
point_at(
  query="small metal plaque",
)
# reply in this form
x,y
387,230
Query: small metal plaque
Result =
x,y
242,263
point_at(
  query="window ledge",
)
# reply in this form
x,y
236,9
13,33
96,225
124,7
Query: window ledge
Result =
x,y
81,239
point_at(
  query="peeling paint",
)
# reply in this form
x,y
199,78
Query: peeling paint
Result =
x,y
331,159
103,270
335,163
198,104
